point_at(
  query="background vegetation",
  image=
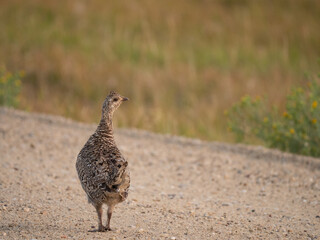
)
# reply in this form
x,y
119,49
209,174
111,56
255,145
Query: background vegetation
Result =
x,y
295,130
182,63
10,85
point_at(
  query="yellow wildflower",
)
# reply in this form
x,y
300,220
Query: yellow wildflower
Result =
x,y
258,99
314,121
285,114
245,99
314,104
292,131
17,83
8,75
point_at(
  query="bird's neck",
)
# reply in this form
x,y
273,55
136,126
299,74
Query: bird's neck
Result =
x,y
105,127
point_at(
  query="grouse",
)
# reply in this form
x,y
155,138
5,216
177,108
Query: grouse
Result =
x,y
102,170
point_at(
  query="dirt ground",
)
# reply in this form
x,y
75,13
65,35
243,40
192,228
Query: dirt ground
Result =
x,y
180,188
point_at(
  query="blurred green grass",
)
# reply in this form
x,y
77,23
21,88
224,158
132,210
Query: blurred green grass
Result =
x,y
180,62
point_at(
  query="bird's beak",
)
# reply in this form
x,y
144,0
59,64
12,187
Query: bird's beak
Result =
x,y
125,99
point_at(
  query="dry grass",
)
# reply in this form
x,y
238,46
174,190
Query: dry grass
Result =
x,y
181,62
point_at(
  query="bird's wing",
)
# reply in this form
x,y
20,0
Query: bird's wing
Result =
x,y
106,167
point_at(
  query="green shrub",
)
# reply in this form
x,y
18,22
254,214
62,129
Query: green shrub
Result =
x,y
296,130
10,86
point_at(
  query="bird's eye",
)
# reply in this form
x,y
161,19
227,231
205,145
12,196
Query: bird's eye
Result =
x,y
115,99
119,166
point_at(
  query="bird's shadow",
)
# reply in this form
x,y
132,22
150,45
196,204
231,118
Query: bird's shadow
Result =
x,y
94,230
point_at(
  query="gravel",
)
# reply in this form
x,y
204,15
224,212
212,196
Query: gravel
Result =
x,y
181,188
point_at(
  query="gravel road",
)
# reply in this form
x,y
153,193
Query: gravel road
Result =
x,y
180,188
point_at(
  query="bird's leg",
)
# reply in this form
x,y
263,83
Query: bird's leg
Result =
x,y
110,209
99,212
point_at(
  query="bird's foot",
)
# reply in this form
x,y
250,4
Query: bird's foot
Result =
x,y
102,229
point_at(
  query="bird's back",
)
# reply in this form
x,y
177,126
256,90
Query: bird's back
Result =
x,y
103,170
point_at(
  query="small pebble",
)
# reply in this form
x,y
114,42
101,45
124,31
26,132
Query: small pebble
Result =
x,y
26,209
141,230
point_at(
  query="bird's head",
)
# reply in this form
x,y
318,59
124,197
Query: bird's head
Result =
x,y
112,102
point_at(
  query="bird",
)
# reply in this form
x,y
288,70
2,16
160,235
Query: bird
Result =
x,y
102,169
